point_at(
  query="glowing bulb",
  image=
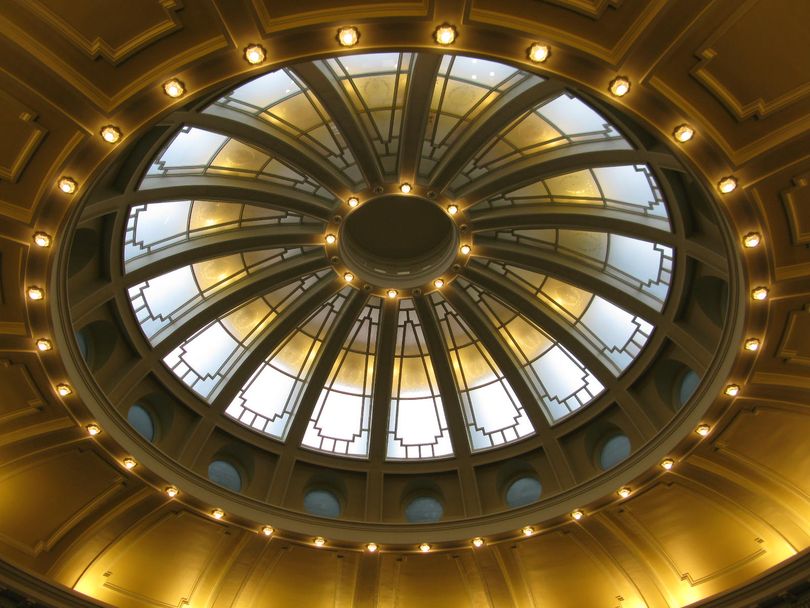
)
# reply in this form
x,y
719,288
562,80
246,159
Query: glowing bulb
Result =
x,y
129,463
217,513
255,54
538,52
667,464
759,293
174,88
354,201
392,293
478,542
36,293
330,239
527,531
267,530
438,283
727,184
452,209
751,240
624,492
683,133
110,133
348,277
445,34
466,249
405,188
424,547
732,390
171,491
43,344
42,239
619,86
93,429
577,514
703,429
67,185
348,36
371,547
319,541
751,344
63,390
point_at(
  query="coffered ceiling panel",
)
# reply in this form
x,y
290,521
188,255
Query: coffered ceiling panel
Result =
x,y
21,133
277,15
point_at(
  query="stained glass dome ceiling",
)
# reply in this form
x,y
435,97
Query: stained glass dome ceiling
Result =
x,y
552,242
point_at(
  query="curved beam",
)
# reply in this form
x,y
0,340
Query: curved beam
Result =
x,y
264,136
507,108
576,217
258,283
556,161
273,336
511,370
383,378
329,93
570,269
416,112
542,316
220,244
327,354
218,188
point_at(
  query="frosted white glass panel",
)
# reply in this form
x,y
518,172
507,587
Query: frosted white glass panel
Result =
x,y
417,426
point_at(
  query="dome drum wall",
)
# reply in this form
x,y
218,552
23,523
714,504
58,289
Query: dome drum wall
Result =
x,y
559,450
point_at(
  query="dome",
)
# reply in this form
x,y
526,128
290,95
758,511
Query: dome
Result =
x,y
230,377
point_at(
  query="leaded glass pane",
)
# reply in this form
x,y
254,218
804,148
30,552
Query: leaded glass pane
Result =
x,y
280,99
561,383
611,333
209,357
562,121
341,419
195,151
155,226
465,87
376,86
642,267
269,399
161,301
629,188
417,426
492,412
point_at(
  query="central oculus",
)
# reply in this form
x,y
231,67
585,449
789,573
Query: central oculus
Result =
x,y
398,241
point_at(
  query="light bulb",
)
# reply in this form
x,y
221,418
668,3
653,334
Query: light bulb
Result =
x,y
111,134
171,491
624,492
732,390
466,249
348,36
371,547
330,239
43,345
478,542
452,209
93,429
405,188
751,240
63,390
129,463
703,429
538,53
348,277
759,293
255,54
353,201
438,283
619,86
174,88
319,541
727,184
67,185
445,34
751,344
267,530
41,239
527,530
392,293
217,513
667,464
577,514
36,293
424,547
683,133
